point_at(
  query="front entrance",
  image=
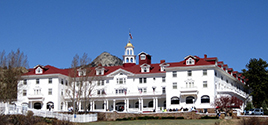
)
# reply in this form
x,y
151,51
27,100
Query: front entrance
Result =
x,y
37,105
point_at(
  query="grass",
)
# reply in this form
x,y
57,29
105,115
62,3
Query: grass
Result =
x,y
157,122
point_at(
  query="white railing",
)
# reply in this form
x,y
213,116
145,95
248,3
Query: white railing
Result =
x,y
9,109
12,109
69,117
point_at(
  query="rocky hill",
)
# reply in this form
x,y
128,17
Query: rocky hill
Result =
x,y
106,59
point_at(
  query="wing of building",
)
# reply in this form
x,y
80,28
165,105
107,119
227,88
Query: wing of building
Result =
x,y
191,82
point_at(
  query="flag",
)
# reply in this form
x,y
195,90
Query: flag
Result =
x,y
130,36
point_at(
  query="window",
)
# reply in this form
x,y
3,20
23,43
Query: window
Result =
x,y
61,92
215,73
24,93
143,80
189,73
163,90
174,85
190,100
37,91
163,79
189,84
121,91
143,57
25,81
174,73
121,80
66,82
221,78
205,84
37,81
61,81
50,91
205,99
100,83
205,72
145,69
227,81
50,80
175,100
142,90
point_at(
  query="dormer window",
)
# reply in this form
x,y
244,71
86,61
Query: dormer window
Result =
x,y
143,57
145,68
39,70
190,61
100,72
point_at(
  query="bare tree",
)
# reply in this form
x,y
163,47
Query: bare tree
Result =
x,y
80,81
12,66
227,103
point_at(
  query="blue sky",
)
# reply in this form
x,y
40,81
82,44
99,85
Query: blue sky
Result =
x,y
51,32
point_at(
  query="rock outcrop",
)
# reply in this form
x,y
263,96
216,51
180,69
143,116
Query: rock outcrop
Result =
x,y
106,59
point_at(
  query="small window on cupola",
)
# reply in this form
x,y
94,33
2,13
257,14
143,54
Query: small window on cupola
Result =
x,y
190,61
143,57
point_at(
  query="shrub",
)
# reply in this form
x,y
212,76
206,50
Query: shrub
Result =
x,y
209,117
179,117
169,117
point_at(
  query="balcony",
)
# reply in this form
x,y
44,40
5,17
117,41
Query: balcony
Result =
x,y
189,90
36,97
232,90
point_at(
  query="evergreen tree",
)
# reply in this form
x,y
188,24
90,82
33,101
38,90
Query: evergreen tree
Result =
x,y
257,76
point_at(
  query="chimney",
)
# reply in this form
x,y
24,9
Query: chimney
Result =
x,y
162,61
205,56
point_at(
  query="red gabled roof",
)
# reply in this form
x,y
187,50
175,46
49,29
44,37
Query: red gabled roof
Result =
x,y
198,62
48,70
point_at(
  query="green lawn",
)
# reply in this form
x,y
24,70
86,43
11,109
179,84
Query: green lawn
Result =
x,y
157,122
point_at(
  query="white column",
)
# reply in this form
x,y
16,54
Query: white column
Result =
x,y
141,104
114,105
107,105
153,103
79,107
104,105
90,107
125,105
156,104
93,106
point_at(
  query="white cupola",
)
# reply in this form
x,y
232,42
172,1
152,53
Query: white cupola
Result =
x,y
129,56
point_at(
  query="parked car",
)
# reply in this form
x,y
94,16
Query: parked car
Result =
x,y
256,111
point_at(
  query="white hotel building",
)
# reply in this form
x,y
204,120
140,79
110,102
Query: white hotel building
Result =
x,y
132,87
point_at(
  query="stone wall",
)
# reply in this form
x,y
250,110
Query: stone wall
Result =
x,y
112,116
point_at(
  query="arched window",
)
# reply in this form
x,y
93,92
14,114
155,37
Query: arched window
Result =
x,y
175,100
131,60
205,99
50,105
127,60
37,105
190,100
